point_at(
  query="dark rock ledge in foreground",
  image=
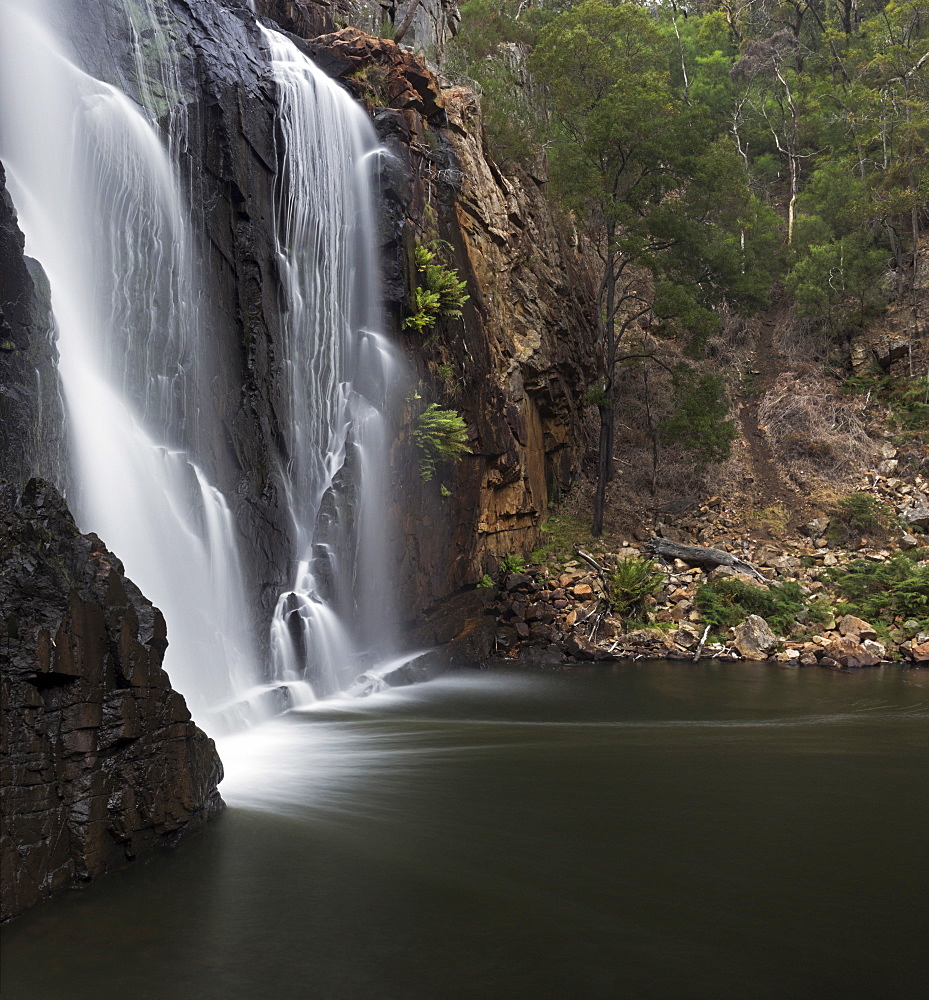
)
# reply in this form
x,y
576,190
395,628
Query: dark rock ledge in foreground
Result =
x,y
101,762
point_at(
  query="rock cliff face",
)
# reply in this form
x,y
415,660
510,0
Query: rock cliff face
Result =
x,y
101,762
434,23
518,362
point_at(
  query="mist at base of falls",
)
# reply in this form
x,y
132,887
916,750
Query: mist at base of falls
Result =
x,y
101,184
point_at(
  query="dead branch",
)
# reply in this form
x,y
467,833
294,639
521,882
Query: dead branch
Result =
x,y
704,556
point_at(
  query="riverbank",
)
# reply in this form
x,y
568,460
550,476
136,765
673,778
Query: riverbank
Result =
x,y
843,590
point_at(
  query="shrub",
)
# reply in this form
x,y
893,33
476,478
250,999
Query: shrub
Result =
x,y
856,515
631,582
884,592
813,429
727,602
512,564
700,421
440,435
485,582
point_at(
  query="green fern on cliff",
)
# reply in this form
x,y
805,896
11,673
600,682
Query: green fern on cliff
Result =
x,y
439,291
441,435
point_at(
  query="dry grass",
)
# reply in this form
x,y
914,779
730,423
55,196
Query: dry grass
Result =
x,y
816,430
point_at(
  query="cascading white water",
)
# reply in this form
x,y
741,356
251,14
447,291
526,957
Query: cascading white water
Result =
x,y
100,204
96,184
335,620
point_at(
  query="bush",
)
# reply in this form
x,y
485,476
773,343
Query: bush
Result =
x,y
700,421
814,429
511,564
884,592
631,582
856,515
727,602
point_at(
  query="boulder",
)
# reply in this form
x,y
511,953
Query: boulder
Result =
x,y
877,648
815,528
918,516
721,572
754,639
909,542
848,652
920,652
849,625
581,649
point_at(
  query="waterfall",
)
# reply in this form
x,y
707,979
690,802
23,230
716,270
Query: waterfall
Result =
x,y
335,620
96,179
101,206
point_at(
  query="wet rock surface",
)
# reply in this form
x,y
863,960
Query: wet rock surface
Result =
x,y
31,421
101,761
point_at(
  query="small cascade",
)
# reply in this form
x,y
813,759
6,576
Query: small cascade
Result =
x,y
335,621
100,203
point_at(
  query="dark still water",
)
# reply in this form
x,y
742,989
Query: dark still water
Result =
x,y
650,831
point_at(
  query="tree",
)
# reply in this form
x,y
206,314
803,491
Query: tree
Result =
x,y
646,175
700,420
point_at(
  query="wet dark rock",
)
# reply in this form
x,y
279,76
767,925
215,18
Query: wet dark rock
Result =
x,y
581,649
31,420
101,761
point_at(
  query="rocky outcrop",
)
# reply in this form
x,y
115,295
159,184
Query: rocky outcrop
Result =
x,y
30,408
434,22
101,762
753,639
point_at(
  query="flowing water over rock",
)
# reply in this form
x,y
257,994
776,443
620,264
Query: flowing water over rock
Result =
x,y
651,830
104,187
339,371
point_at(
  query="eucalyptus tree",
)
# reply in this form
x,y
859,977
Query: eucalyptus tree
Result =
x,y
661,197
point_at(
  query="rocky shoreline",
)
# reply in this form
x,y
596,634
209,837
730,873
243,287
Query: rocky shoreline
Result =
x,y
564,607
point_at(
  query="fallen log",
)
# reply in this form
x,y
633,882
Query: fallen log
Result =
x,y
703,556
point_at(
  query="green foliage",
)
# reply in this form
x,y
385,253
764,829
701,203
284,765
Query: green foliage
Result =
x,y
631,582
490,50
374,81
856,515
700,420
512,564
439,291
886,592
727,602
907,399
486,582
441,435
562,535
836,281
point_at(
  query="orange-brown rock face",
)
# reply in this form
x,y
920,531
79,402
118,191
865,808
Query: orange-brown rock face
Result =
x,y
517,363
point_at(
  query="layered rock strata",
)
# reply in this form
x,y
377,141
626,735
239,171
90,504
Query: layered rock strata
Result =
x,y
101,762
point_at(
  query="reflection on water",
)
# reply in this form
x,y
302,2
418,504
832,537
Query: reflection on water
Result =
x,y
652,830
